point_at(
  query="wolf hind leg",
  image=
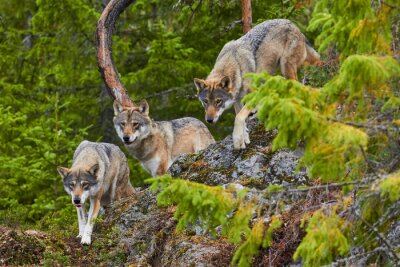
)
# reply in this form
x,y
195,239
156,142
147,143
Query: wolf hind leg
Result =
x,y
289,69
124,187
293,58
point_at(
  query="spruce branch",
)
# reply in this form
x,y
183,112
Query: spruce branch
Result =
x,y
192,15
386,242
347,260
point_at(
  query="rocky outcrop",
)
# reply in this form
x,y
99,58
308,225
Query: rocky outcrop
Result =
x,y
148,232
256,166
148,235
137,232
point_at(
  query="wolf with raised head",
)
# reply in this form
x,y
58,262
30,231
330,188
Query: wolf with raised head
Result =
x,y
269,45
99,172
156,144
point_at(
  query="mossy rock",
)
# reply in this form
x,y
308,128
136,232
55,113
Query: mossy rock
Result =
x,y
29,247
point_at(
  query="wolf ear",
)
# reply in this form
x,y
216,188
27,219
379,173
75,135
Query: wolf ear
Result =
x,y
200,85
117,107
144,107
63,171
226,83
94,169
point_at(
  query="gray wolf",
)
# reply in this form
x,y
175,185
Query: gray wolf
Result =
x,y
156,144
267,46
99,172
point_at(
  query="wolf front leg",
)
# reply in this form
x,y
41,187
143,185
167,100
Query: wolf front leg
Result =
x,y
240,135
93,212
81,220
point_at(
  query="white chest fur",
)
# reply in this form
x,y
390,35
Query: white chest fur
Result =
x,y
152,165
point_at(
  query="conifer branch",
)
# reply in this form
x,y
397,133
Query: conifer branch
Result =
x,y
359,255
392,253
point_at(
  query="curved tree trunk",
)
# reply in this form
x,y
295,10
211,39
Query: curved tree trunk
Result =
x,y
108,71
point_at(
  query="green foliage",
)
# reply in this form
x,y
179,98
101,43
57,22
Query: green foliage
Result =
x,y
195,202
354,26
326,238
27,177
212,207
43,97
390,187
360,75
259,237
300,113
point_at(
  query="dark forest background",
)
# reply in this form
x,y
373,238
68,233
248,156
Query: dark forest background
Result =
x,y
52,96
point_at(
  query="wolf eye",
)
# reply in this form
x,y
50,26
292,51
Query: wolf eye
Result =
x,y
205,101
85,185
218,101
122,124
135,124
71,185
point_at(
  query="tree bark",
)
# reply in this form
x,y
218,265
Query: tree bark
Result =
x,y
108,71
246,15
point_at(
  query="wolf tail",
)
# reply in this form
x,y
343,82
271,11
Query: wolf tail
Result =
x,y
312,56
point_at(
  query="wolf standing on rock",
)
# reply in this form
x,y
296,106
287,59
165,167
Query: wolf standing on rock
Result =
x,y
100,172
267,46
156,144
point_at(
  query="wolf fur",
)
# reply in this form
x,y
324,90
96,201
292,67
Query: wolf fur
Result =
x,y
269,45
156,144
99,172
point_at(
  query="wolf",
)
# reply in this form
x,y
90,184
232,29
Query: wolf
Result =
x,y
99,172
267,46
156,144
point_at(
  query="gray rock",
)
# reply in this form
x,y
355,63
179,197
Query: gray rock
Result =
x,y
256,166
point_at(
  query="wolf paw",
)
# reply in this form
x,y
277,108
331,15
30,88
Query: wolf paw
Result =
x,y
239,141
80,235
239,136
86,240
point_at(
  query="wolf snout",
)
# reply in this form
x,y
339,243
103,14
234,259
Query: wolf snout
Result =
x,y
77,201
211,120
128,140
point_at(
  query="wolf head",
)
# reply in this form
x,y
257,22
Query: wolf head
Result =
x,y
132,123
79,182
215,95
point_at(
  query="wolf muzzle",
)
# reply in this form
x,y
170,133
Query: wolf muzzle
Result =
x,y
77,202
211,120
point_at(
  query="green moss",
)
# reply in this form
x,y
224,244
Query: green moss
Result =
x,y
56,258
253,182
